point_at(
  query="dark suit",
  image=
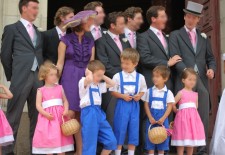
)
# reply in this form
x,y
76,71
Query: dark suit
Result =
x,y
50,45
180,44
17,56
109,54
152,54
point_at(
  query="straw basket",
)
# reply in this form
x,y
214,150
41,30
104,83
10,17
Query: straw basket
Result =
x,y
70,127
157,135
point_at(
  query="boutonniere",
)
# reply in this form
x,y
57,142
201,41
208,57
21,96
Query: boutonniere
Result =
x,y
203,35
167,35
125,39
104,32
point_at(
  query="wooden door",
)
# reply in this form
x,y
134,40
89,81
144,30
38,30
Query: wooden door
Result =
x,y
210,25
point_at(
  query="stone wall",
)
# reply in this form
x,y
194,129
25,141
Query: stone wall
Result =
x,y
9,13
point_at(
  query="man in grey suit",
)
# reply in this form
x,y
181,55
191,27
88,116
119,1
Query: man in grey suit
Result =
x,y
153,45
21,56
108,49
153,48
196,53
96,30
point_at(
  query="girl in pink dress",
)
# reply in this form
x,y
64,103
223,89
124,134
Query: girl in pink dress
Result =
x,y
6,134
52,106
188,130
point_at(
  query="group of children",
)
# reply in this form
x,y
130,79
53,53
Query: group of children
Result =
x,y
129,87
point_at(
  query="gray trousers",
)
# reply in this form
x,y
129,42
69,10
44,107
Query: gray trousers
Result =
x,y
203,108
13,115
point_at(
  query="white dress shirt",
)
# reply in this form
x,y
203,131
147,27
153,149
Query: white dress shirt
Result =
x,y
84,93
93,31
129,77
112,35
195,48
156,31
128,35
158,93
26,25
60,32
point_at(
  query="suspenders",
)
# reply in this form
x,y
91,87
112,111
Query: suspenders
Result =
x,y
122,83
151,98
91,90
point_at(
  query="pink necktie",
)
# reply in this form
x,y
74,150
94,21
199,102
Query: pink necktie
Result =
x,y
118,43
162,39
31,31
62,34
131,39
97,33
192,37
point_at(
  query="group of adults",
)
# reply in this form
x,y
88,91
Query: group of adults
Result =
x,y
72,46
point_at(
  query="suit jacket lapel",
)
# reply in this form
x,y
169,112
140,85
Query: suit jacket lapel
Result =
x,y
199,41
185,37
38,41
124,44
55,35
112,44
157,41
24,32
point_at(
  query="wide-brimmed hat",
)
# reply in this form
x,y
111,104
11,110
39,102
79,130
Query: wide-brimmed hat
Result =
x,y
79,17
194,8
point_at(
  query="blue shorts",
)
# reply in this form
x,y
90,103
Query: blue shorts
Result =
x,y
126,121
95,128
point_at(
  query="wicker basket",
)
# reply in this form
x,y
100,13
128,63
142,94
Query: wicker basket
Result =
x,y
70,127
157,135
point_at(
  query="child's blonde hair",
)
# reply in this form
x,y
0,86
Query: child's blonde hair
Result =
x,y
130,54
187,72
95,65
164,71
45,69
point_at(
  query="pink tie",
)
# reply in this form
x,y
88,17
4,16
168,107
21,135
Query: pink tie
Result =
x,y
162,39
118,43
62,34
192,37
97,33
31,31
131,39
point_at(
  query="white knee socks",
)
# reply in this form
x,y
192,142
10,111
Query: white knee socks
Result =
x,y
117,152
130,152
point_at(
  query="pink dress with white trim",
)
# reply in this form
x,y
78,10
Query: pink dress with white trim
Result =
x,y
6,133
48,138
188,128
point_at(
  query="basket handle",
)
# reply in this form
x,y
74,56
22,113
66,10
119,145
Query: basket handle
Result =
x,y
154,124
63,119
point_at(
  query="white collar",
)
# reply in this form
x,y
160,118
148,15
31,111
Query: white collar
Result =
x,y
127,31
25,22
93,27
112,35
193,30
155,30
163,89
59,31
133,74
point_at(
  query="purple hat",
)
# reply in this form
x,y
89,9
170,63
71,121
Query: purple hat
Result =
x,y
79,17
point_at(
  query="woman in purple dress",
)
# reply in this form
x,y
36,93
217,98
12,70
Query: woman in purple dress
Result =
x,y
74,52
